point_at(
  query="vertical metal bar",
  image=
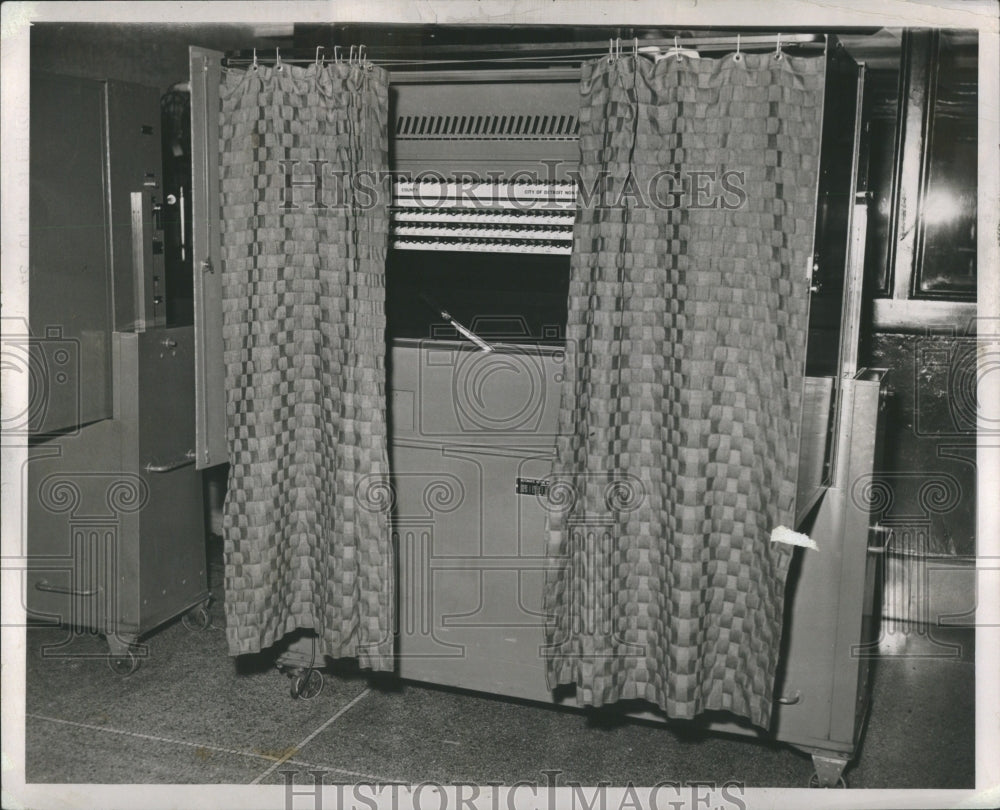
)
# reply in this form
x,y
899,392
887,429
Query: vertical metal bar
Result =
x,y
850,313
183,226
112,306
910,168
209,383
857,231
140,263
854,293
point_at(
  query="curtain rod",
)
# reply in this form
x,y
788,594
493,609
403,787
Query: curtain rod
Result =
x,y
585,49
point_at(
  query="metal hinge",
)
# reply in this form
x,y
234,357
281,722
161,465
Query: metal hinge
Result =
x,y
206,266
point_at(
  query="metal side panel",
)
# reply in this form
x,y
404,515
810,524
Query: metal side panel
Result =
x,y
69,275
164,551
855,481
77,531
471,565
172,572
818,689
172,567
209,380
165,371
470,549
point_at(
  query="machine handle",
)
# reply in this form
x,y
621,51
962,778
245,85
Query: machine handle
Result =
x,y
176,464
791,700
43,585
465,332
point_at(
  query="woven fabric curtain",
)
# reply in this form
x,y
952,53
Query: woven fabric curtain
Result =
x,y
679,422
307,541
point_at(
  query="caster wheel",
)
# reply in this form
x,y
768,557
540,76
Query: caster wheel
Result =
x,y
197,619
123,665
307,685
814,782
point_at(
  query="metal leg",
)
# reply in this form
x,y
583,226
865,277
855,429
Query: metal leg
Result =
x,y
829,771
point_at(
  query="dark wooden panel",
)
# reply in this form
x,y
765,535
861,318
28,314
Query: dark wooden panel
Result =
x,y
881,119
946,267
834,208
929,457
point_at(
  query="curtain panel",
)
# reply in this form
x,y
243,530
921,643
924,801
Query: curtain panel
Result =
x,y
307,542
679,421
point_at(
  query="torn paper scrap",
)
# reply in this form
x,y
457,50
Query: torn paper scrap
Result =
x,y
785,535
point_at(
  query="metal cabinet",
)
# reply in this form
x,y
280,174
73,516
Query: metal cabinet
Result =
x,y
115,532
116,535
469,533
472,434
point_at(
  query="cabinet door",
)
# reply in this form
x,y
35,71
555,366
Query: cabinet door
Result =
x,y
210,372
69,273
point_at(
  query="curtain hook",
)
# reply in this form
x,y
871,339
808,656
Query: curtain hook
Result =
x,y
362,52
336,54
254,58
318,49
777,52
737,57
611,50
277,59
635,47
351,55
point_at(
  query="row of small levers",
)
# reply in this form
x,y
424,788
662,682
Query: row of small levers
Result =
x,y
559,195
495,217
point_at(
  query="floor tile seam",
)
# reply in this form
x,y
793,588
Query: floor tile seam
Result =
x,y
155,737
213,747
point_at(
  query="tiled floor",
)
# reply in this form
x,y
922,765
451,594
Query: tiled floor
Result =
x,y
193,715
